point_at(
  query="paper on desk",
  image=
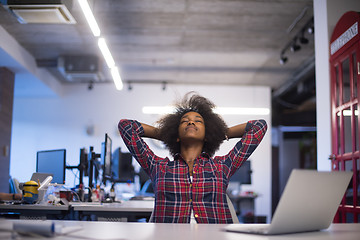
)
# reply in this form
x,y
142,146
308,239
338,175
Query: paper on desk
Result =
x,y
43,228
63,230
36,228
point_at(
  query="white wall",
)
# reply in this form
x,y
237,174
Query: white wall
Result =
x,y
61,122
326,15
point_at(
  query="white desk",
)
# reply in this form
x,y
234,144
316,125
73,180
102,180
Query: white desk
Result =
x,y
125,206
163,231
35,211
123,211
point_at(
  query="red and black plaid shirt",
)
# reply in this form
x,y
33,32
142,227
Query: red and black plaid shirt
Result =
x,y
175,194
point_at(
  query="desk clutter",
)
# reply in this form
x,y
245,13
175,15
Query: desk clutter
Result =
x,y
125,211
34,192
99,177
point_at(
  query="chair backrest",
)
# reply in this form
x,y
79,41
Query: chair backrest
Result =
x,y
14,185
146,187
232,210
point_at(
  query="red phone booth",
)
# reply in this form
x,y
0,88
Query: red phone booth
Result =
x,y
345,94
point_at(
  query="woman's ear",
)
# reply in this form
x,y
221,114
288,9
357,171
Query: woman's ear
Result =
x,y
178,140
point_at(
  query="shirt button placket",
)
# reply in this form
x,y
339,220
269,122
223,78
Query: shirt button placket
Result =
x,y
191,187
190,199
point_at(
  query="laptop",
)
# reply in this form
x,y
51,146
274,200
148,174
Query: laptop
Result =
x,y
309,203
40,177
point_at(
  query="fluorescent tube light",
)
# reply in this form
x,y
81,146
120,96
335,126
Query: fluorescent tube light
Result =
x,y
219,110
116,77
241,111
106,53
158,109
89,17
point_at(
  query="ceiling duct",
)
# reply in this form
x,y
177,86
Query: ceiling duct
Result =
x,y
32,11
80,69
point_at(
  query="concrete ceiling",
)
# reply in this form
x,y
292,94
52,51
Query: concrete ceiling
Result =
x,y
234,42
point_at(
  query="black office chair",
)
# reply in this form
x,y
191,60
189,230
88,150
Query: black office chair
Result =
x,y
14,185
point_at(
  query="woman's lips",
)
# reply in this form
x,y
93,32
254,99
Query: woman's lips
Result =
x,y
190,127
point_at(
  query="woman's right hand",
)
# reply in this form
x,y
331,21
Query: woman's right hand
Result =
x,y
150,131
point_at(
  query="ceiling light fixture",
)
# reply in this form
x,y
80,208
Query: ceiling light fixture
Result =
x,y
303,39
89,17
241,111
158,110
130,87
164,85
117,79
293,45
101,43
106,53
310,30
219,110
283,60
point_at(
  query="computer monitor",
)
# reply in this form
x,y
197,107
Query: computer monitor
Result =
x,y
84,163
123,170
243,174
52,161
106,158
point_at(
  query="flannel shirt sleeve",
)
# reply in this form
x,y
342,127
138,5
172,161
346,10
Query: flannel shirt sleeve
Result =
x,y
254,133
131,132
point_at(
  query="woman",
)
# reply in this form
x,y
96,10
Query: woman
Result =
x,y
192,187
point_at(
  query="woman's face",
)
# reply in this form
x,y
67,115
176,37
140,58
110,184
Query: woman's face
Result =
x,y
192,127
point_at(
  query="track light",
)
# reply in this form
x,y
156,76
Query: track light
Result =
x,y
283,60
130,87
91,86
295,47
303,40
294,44
164,85
310,30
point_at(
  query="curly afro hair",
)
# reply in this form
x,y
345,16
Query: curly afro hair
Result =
x,y
215,127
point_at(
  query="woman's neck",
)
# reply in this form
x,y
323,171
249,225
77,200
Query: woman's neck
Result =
x,y
189,153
